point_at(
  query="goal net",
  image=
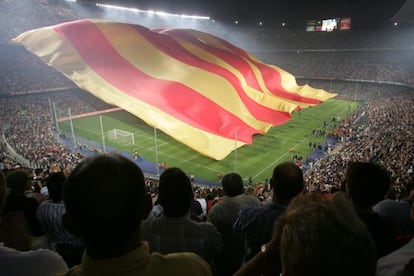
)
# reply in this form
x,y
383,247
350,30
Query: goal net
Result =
x,y
121,137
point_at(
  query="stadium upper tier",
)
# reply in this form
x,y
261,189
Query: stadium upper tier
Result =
x,y
363,55
21,71
20,16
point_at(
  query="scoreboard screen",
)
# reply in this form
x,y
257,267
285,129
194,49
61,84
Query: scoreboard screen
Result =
x,y
328,25
345,24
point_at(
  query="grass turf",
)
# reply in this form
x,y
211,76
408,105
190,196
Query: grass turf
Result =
x,y
256,160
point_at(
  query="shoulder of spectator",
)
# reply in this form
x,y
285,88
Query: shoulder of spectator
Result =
x,y
246,219
191,261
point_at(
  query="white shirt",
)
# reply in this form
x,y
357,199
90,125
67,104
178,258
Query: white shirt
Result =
x,y
393,263
41,262
44,191
203,204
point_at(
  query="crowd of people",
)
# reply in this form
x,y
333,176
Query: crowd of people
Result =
x,y
378,65
27,125
377,133
20,78
106,224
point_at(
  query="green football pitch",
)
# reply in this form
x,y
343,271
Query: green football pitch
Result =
x,y
256,160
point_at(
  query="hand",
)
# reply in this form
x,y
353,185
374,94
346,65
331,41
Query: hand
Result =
x,y
267,261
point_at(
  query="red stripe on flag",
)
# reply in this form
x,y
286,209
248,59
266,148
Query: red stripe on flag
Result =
x,y
271,77
171,97
234,60
172,48
273,82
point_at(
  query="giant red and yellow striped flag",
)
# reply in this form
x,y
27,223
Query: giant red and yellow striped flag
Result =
x,y
201,90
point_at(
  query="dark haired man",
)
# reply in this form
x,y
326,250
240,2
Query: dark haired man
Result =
x,y
257,223
14,234
50,213
19,182
223,215
366,184
105,202
174,230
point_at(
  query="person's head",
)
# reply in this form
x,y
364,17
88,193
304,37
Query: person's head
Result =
x,y
18,181
287,181
196,193
175,192
366,183
54,185
324,236
203,193
39,173
104,198
232,184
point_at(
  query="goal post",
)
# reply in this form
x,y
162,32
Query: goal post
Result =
x,y
121,137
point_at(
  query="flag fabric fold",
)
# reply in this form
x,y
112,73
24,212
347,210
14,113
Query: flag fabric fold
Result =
x,y
201,90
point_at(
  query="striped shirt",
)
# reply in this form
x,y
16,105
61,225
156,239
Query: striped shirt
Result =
x,y
49,214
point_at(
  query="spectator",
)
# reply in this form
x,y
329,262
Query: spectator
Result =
x,y
200,196
394,263
213,197
366,184
50,213
398,213
317,236
223,215
18,181
104,198
257,223
14,231
174,231
196,207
